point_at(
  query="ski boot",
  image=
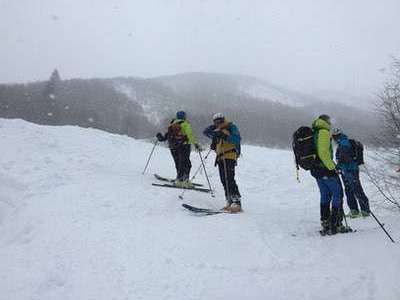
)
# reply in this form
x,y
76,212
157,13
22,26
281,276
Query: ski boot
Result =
x,y
354,213
227,205
344,229
325,227
333,221
365,213
234,208
187,184
236,205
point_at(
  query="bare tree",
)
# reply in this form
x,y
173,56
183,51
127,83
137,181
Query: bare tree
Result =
x,y
386,173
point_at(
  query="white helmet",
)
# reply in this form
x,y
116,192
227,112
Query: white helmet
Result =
x,y
336,131
218,116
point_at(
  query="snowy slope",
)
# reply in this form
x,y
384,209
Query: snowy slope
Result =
x,y
79,221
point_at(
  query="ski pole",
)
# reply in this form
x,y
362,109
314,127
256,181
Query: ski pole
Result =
x,y
205,173
379,223
228,194
195,174
151,154
341,208
376,219
382,226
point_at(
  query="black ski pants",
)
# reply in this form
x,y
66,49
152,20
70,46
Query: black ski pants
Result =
x,y
183,165
228,179
355,191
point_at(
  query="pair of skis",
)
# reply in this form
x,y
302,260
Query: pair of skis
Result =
x,y
170,184
196,187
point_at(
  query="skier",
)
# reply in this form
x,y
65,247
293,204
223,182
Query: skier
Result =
x,y
346,157
326,174
180,138
226,143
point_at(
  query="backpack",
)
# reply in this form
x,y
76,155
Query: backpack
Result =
x,y
358,151
233,129
176,137
304,148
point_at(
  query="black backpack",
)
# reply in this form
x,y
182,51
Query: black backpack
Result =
x,y
176,137
358,151
304,148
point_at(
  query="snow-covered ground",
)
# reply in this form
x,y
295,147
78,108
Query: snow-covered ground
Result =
x,y
79,221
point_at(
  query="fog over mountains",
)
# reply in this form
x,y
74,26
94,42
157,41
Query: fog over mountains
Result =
x,y
265,113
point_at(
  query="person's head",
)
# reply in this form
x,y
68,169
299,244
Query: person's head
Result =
x,y
181,115
336,132
326,118
218,119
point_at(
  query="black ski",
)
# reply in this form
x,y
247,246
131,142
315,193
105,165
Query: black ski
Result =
x,y
182,188
170,180
204,211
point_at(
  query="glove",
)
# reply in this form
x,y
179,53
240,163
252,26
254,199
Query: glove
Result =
x,y
213,146
338,171
219,134
160,137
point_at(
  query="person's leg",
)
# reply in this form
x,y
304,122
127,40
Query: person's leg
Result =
x,y
233,188
360,194
336,190
350,197
341,210
324,203
186,164
180,159
175,156
221,170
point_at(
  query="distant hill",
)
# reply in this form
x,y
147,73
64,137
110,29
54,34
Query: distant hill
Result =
x,y
139,107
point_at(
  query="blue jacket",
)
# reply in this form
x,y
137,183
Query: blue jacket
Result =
x,y
344,152
233,137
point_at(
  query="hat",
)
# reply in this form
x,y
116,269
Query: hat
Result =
x,y
325,118
181,115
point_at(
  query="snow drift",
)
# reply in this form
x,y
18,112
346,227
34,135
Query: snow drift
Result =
x,y
79,221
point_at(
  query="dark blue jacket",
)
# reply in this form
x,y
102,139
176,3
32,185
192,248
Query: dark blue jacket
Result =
x,y
344,155
233,138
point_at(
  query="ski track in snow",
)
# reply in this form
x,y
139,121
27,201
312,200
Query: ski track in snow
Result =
x,y
79,221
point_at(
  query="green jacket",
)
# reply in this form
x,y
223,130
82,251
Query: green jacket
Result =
x,y
187,130
323,143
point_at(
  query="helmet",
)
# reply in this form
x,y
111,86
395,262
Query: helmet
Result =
x,y
325,118
218,116
181,115
336,132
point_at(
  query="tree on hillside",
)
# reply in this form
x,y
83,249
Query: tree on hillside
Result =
x,y
47,105
386,174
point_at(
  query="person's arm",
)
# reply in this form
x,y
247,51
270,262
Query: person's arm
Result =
x,y
187,130
323,149
210,132
161,137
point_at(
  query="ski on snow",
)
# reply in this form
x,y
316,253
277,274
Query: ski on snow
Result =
x,y
204,211
204,190
170,180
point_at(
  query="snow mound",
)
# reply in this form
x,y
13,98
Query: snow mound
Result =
x,y
79,221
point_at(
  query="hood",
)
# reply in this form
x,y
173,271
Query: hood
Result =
x,y
321,124
342,137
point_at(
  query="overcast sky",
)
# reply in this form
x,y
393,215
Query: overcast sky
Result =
x,y
308,45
